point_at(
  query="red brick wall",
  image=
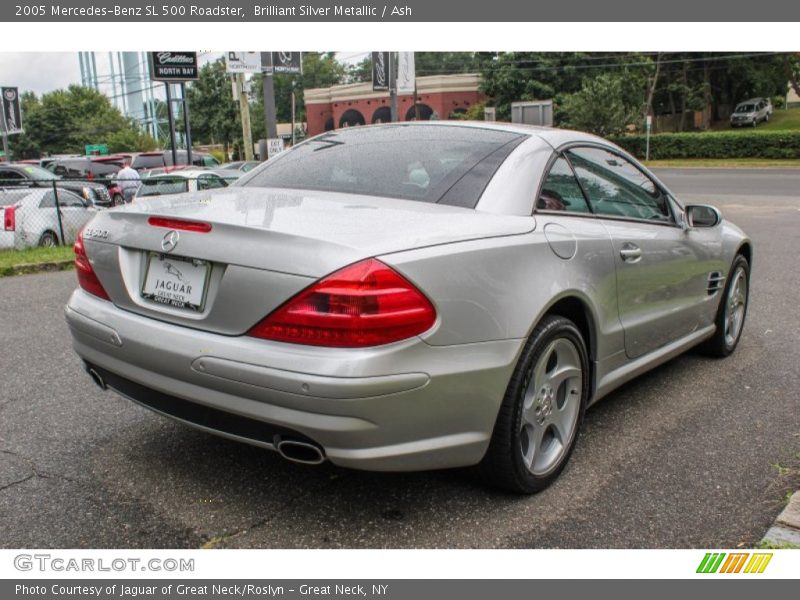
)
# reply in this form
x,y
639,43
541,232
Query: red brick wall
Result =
x,y
442,103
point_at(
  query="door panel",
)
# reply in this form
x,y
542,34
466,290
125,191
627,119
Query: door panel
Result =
x,y
662,270
660,292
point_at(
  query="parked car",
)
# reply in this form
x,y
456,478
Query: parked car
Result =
x,y
240,165
409,296
14,175
163,159
179,182
751,112
229,175
30,218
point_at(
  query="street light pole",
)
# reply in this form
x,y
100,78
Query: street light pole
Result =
x,y
392,88
270,114
171,119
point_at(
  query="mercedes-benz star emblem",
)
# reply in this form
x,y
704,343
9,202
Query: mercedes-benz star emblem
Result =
x,y
170,241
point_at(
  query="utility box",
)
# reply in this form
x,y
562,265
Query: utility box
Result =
x,y
490,113
533,112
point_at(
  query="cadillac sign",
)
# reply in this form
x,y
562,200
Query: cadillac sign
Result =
x,y
173,66
11,114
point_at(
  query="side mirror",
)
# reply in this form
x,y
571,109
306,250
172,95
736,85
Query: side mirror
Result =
x,y
703,215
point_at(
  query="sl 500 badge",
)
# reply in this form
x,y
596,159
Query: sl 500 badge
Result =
x,y
97,234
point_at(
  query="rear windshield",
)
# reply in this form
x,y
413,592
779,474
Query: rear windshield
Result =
x,y
38,173
163,185
399,161
102,169
12,197
144,161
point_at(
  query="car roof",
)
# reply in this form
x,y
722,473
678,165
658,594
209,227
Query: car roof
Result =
x,y
551,135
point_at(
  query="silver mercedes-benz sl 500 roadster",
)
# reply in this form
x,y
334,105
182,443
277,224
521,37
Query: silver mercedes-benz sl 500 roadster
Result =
x,y
408,296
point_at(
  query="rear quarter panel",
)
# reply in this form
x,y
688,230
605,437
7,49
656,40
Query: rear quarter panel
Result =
x,y
499,288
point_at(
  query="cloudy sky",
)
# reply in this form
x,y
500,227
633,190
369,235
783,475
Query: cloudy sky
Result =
x,y
39,71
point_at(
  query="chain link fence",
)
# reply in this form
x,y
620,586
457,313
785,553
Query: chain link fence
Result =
x,y
52,212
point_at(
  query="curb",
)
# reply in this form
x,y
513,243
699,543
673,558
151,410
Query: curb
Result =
x,y
786,528
26,268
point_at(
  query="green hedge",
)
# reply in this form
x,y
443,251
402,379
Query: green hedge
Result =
x,y
724,144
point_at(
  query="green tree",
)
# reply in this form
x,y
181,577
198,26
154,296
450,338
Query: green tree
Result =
x,y
65,121
604,105
213,113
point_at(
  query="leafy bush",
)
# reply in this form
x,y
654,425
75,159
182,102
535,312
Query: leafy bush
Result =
x,y
726,144
605,105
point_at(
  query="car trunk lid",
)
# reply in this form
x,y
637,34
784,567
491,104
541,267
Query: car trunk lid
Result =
x,y
265,245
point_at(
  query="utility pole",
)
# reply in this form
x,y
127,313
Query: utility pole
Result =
x,y
244,109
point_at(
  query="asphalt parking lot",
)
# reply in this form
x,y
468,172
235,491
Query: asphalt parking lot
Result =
x,y
685,456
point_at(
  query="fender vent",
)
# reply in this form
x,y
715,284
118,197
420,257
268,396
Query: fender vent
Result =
x,y
716,281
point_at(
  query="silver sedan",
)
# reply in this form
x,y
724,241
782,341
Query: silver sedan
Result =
x,y
408,296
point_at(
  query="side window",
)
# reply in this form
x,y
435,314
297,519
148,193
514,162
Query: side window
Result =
x,y
47,201
70,200
7,176
616,187
560,190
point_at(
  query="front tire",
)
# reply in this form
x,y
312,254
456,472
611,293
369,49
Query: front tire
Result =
x,y
542,411
731,312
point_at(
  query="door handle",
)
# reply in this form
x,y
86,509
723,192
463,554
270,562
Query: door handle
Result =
x,y
630,252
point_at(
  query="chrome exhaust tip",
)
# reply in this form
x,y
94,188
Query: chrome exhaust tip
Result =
x,y
97,379
304,453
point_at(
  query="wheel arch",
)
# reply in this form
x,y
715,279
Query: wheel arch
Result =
x,y
746,250
578,310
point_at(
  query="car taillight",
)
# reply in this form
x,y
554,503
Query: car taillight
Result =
x,y
87,278
364,304
10,218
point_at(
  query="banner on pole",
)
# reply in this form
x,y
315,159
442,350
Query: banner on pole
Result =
x,y
406,75
12,113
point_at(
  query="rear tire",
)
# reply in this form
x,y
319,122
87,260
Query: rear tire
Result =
x,y
542,411
118,199
731,312
48,239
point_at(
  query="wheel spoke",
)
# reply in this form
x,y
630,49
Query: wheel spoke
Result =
x,y
563,419
562,374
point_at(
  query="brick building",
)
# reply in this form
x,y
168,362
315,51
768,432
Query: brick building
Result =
x,y
438,97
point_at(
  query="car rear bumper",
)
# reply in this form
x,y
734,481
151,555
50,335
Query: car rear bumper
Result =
x,y
404,406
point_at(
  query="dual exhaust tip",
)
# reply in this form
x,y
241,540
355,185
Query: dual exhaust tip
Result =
x,y
305,453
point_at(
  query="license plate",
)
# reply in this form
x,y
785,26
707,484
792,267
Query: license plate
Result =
x,y
176,281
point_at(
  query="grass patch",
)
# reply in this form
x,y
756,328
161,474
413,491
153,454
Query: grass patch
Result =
x,y
14,262
764,545
728,163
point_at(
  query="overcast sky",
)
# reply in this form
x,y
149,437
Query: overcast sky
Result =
x,y
39,71
46,71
